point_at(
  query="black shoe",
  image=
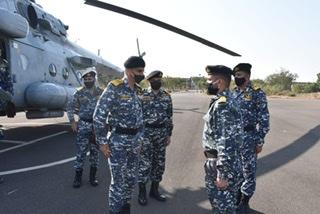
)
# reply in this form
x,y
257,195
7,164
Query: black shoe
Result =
x,y
77,179
142,198
154,192
93,177
125,209
243,207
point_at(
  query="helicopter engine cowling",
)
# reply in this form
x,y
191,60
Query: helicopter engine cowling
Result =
x,y
13,25
45,95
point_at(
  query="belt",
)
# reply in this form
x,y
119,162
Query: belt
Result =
x,y
126,131
212,153
249,128
87,120
155,125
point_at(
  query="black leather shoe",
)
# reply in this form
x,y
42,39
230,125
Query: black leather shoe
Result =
x,y
93,178
142,197
77,179
154,192
125,209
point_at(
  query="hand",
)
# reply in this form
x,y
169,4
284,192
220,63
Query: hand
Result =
x,y
74,126
221,183
168,141
105,149
258,149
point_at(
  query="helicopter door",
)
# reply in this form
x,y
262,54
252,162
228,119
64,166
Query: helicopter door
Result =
x,y
5,75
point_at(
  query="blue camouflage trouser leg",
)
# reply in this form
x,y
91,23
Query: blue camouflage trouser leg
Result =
x,y
249,162
123,165
222,201
153,155
84,144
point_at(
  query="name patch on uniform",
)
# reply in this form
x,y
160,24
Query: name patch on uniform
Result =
x,y
146,98
125,97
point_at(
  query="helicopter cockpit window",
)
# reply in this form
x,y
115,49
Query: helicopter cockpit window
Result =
x,y
52,70
65,73
22,9
33,18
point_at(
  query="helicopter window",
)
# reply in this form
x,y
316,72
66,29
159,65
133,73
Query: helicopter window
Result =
x,y
22,9
33,18
52,70
65,73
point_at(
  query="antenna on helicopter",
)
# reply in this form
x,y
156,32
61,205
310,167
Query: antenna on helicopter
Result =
x,y
140,54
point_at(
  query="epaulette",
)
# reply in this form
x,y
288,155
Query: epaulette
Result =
x,y
80,88
166,92
117,82
255,88
222,100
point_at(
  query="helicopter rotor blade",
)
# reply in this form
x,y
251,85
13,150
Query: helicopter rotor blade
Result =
x,y
130,13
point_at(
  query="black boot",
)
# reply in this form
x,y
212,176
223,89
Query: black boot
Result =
x,y
244,207
125,209
93,177
142,198
154,192
77,179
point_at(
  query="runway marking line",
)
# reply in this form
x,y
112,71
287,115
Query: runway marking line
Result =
x,y
13,141
33,141
39,166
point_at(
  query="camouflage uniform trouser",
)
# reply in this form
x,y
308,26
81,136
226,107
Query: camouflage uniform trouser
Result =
x,y
153,155
123,165
222,201
85,139
249,162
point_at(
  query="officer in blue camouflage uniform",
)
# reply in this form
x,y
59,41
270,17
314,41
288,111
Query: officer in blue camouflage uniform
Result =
x,y
254,108
222,140
157,113
6,91
83,103
121,107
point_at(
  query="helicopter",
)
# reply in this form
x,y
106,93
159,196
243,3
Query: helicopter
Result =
x,y
43,66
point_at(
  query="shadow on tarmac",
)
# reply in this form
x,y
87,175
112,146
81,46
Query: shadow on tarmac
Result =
x,y
285,155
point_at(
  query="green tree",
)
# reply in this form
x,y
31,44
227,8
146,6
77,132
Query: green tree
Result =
x,y
283,79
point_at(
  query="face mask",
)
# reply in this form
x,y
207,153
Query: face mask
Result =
x,y
239,81
155,85
138,78
212,89
89,84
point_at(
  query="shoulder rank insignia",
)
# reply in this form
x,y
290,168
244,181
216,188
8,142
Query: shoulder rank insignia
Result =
x,y
256,88
222,100
80,88
117,82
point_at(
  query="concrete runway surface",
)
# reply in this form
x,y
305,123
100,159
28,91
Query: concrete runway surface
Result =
x,y
36,161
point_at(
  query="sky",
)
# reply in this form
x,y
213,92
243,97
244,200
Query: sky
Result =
x,y
269,34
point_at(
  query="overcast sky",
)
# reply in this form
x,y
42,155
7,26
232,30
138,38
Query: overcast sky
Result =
x,y
269,34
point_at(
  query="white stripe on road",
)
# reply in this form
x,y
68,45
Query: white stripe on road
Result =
x,y
12,141
33,123
39,166
33,141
